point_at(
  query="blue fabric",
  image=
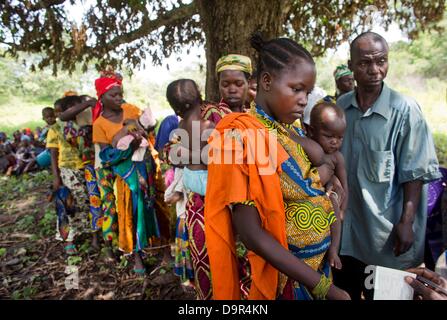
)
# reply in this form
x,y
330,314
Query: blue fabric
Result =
x,y
195,180
312,250
136,176
301,292
166,127
63,209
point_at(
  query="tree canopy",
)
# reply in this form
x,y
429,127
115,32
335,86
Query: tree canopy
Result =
x,y
128,32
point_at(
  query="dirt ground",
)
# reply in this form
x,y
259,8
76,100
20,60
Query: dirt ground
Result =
x,y
33,264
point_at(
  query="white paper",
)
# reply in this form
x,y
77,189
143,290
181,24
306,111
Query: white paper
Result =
x,y
389,284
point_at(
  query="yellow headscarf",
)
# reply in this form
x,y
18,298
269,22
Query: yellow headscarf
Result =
x,y
234,62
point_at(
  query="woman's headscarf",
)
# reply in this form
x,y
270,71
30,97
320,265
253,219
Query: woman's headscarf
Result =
x,y
341,71
107,80
234,62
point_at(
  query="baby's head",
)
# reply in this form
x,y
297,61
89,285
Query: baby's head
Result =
x,y
48,116
327,126
183,95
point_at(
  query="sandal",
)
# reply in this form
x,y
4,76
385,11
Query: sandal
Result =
x,y
70,249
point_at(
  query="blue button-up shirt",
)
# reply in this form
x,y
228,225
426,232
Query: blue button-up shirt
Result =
x,y
388,145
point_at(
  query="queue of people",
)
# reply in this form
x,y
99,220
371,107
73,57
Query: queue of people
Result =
x,y
274,199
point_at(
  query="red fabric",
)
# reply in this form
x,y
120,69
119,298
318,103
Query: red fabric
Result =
x,y
103,85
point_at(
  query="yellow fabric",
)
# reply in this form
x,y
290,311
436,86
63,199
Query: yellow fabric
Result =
x,y
68,155
234,62
126,240
308,218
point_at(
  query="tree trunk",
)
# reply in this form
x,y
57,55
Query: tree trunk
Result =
x,y
231,32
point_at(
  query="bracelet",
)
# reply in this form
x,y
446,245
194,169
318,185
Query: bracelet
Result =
x,y
322,288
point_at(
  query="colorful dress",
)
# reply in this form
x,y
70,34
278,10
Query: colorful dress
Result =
x,y
291,203
309,212
195,221
73,177
135,186
80,137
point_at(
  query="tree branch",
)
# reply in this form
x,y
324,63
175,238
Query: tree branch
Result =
x,y
43,4
182,12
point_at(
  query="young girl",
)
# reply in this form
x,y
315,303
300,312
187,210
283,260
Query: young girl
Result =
x,y
78,132
135,130
25,156
282,215
68,170
184,97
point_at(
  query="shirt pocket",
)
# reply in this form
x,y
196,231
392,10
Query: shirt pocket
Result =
x,y
378,166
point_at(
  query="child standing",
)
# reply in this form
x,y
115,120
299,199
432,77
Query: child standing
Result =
x,y
184,97
67,168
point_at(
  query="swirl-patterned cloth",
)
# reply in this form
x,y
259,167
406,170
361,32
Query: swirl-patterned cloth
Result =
x,y
309,212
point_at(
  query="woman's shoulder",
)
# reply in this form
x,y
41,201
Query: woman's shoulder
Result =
x,y
131,110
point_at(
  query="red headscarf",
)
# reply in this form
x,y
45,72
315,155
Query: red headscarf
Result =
x,y
103,84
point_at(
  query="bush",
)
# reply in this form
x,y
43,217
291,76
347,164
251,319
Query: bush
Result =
x,y
440,140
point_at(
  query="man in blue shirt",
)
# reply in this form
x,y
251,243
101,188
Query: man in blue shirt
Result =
x,y
390,156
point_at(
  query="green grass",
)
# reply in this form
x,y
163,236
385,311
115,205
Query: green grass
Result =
x,y
17,114
441,148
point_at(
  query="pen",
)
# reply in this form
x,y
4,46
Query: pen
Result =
x,y
431,284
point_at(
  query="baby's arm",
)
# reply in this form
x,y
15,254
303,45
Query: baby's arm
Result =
x,y
119,135
333,258
340,172
313,150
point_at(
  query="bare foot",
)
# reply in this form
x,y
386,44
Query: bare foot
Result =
x,y
109,256
138,264
166,256
95,241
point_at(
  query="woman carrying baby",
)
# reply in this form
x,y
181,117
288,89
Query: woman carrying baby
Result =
x,y
120,125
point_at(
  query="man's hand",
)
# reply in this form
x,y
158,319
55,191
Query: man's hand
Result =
x,y
404,237
423,292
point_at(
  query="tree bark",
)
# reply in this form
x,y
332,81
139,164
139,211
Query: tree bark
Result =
x,y
231,32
